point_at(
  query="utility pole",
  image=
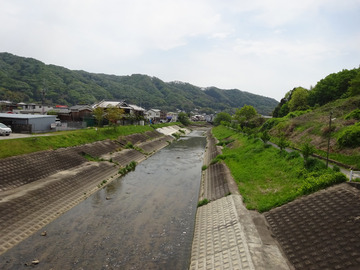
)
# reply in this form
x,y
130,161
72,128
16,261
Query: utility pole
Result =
x,y
43,97
328,146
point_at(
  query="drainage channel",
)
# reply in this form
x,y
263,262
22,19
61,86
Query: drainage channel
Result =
x,y
144,220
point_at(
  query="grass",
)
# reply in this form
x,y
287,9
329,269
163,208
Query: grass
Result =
x,y
203,202
128,168
57,140
268,178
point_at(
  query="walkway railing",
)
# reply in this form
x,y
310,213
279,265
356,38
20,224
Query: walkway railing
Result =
x,y
354,174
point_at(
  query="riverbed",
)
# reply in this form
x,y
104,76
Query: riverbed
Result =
x,y
144,220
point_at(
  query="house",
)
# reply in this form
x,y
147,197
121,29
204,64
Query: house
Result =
x,y
77,113
80,112
28,123
32,108
172,116
7,106
153,115
131,111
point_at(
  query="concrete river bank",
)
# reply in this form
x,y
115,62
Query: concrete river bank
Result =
x,y
144,220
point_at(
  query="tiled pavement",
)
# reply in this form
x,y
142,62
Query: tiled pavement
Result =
x,y
322,230
219,241
226,236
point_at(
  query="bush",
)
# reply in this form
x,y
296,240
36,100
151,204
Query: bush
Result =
x,y
296,114
293,155
265,136
350,137
129,145
184,119
312,183
203,202
336,168
130,167
217,159
355,114
314,164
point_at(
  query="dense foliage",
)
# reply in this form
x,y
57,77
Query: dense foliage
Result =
x,y
222,117
343,84
28,80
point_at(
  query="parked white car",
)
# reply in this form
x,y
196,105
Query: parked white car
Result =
x,y
5,130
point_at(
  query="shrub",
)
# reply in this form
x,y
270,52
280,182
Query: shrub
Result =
x,y
265,136
225,142
217,159
204,167
336,168
293,155
350,137
312,183
129,145
282,142
203,202
184,119
130,167
269,124
314,164
296,114
355,114
307,149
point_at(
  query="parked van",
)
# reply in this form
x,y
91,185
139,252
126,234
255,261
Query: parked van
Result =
x,y
4,130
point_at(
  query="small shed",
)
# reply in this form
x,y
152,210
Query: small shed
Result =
x,y
27,123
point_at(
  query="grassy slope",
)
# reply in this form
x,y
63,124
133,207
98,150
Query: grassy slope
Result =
x,y
266,178
67,139
314,125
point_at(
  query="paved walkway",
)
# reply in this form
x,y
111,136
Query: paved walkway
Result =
x,y
227,235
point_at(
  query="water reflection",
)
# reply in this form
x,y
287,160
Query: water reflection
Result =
x,y
144,220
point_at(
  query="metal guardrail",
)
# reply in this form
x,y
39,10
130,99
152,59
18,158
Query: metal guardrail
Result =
x,y
355,174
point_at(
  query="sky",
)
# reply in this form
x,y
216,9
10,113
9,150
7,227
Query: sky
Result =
x,y
265,47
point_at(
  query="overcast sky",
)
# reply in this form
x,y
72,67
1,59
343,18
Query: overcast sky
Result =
x,y
265,47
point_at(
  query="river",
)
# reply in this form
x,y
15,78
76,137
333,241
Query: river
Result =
x,y
144,220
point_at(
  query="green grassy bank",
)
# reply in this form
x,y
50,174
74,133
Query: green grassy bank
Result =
x,y
62,139
268,177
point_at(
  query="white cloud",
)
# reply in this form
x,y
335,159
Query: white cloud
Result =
x,y
228,44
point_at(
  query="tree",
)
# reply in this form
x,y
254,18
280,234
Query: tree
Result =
x,y
113,114
354,88
245,114
265,136
282,142
184,119
307,149
332,87
99,115
299,100
222,116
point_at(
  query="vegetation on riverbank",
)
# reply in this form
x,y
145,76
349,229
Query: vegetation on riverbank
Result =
x,y
63,139
268,177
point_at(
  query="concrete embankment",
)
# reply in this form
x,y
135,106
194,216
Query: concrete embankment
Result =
x,y
37,188
227,235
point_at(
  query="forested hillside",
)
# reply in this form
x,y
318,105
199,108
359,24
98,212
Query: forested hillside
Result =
x,y
343,84
25,80
326,116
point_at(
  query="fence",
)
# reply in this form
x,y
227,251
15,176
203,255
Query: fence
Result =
x,y
354,174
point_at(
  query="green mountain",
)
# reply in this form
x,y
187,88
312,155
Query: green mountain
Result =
x,y
26,80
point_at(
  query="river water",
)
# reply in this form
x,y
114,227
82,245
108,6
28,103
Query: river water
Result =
x,y
144,220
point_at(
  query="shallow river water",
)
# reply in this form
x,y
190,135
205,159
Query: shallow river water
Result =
x,y
144,220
